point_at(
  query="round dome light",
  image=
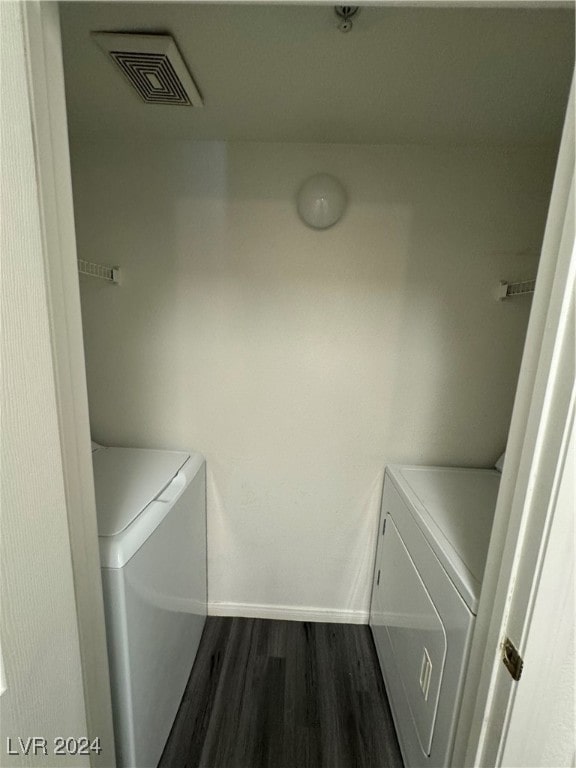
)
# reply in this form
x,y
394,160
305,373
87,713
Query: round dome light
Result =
x,y
321,201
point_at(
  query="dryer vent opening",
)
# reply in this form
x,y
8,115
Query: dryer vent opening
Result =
x,y
153,66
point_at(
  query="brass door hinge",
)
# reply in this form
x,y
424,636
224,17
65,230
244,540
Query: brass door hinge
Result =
x,y
512,659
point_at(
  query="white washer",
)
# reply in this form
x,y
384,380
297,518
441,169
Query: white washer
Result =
x,y
434,533
151,509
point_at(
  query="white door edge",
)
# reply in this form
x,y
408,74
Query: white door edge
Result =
x,y
539,723
534,453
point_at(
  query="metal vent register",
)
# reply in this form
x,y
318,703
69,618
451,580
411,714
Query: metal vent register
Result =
x,y
153,66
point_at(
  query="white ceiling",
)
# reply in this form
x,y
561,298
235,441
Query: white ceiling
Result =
x,y
285,73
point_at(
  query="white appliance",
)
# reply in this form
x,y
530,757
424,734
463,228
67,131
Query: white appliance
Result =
x,y
151,509
434,533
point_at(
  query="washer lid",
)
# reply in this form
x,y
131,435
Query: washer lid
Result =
x,y
454,508
127,480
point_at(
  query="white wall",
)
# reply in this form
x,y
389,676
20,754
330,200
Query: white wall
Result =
x,y
44,695
302,362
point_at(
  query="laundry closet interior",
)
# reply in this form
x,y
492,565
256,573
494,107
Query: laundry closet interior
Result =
x,y
301,361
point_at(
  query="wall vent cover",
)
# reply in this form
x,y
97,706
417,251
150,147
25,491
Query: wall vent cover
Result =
x,y
153,66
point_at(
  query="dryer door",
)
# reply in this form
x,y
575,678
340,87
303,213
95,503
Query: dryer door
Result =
x,y
415,631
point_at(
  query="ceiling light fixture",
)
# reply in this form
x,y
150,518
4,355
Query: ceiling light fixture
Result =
x,y
345,15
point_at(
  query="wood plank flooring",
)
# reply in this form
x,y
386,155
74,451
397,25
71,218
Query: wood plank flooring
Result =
x,y
283,694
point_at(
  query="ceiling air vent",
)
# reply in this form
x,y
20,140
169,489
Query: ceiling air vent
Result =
x,y
153,66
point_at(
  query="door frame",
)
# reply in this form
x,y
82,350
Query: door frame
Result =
x,y
516,523
43,47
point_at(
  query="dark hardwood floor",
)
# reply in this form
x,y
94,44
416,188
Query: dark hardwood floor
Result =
x,y
283,694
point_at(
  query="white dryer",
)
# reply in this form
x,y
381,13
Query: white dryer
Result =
x,y
434,533
151,508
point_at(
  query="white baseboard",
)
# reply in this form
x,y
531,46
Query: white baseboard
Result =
x,y
286,612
